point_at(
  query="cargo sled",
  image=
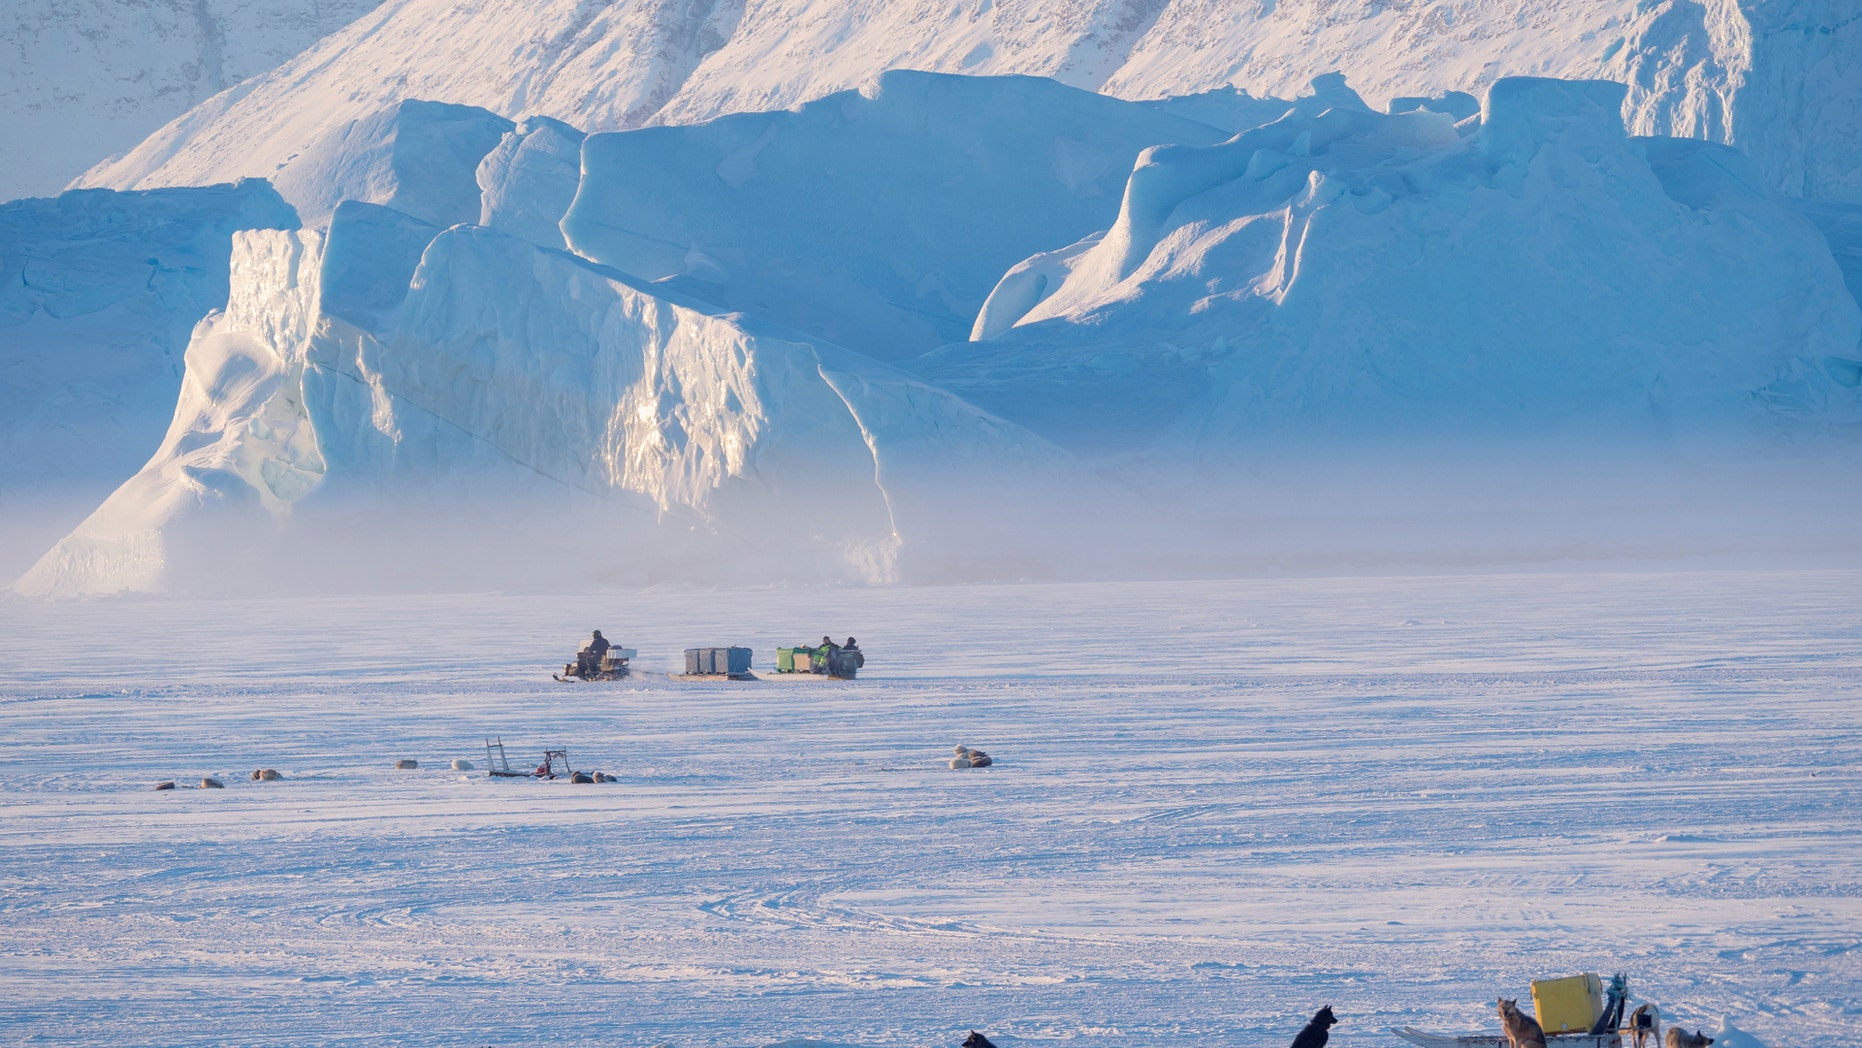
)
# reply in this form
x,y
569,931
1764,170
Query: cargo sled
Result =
x,y
716,664
613,666
1576,1012
1612,1039
555,763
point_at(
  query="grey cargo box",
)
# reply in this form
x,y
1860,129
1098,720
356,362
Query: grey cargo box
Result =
x,y
720,662
733,660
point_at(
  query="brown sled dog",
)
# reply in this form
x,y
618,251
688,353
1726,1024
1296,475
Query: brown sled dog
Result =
x,y
1522,1030
1679,1038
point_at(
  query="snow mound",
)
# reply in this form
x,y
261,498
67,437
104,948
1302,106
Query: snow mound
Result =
x,y
418,157
98,294
687,441
1347,273
878,219
1731,1036
1231,109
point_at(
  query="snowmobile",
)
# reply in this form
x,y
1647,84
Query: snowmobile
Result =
x,y
613,666
840,663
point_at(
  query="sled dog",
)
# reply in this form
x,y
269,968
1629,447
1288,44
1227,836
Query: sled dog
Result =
x,y
1317,1031
1522,1030
1645,1025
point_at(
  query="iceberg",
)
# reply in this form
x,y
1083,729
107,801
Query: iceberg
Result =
x,y
515,390
877,220
1342,275
99,292
989,327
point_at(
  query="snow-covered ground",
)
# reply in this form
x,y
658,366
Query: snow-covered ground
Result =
x,y
1217,807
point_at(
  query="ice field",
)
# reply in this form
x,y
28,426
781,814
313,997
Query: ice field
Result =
x,y
1217,807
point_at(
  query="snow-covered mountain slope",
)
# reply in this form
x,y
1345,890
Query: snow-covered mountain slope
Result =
x,y
511,373
878,219
1780,79
1775,77
1345,275
82,80
98,294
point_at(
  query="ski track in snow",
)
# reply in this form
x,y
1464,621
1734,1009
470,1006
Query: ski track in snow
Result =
x,y
1218,806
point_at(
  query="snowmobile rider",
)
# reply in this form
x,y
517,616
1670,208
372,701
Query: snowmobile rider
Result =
x,y
588,660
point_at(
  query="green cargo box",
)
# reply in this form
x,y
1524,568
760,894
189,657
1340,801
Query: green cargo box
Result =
x,y
785,660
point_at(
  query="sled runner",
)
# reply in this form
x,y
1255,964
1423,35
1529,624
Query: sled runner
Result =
x,y
1498,1040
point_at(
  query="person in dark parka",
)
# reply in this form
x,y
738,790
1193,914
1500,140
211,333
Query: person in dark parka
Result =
x,y
588,660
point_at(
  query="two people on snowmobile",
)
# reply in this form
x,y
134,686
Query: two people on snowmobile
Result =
x,y
839,659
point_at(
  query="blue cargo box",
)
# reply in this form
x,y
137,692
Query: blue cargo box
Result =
x,y
733,660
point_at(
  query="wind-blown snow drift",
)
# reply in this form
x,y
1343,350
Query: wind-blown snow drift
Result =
x,y
1775,77
1342,274
509,372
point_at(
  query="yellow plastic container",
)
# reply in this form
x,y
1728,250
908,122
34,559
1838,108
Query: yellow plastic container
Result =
x,y
1567,1005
